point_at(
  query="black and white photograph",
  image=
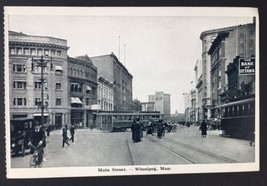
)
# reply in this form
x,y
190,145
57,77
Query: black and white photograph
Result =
x,y
111,91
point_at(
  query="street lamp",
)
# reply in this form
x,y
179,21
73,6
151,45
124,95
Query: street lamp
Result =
x,y
41,62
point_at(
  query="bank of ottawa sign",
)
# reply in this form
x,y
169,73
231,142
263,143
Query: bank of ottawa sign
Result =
x,y
246,66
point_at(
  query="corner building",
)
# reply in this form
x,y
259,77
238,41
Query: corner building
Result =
x,y
24,78
82,77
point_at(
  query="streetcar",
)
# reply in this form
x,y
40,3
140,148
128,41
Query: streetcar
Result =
x,y
122,121
238,118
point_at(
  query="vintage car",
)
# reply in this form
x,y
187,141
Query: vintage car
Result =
x,y
20,129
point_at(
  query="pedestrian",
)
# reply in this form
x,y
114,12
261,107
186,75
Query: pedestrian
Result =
x,y
149,129
65,136
136,134
203,128
48,130
134,128
160,129
72,132
252,139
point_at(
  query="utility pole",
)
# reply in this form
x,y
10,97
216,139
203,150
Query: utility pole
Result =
x,y
41,63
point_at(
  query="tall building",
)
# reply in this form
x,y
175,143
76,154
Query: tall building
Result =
x,y
162,103
208,37
109,67
190,106
24,77
199,90
82,90
228,44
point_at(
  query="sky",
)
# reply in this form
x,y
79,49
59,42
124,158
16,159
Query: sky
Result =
x,y
159,51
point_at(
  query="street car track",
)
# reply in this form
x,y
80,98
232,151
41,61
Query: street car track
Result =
x,y
228,160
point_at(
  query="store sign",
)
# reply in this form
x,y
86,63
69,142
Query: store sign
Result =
x,y
247,66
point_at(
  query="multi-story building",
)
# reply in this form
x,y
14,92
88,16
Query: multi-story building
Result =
x,y
240,86
24,77
207,38
148,106
162,103
199,90
228,44
82,90
105,94
112,69
190,107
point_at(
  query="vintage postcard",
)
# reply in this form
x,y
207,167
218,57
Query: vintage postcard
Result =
x,y
110,91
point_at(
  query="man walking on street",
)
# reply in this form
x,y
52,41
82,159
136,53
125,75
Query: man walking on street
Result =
x,y
65,136
72,132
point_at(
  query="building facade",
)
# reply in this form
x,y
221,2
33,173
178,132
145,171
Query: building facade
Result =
x,y
105,94
239,86
162,103
199,90
114,71
82,90
239,41
24,78
207,37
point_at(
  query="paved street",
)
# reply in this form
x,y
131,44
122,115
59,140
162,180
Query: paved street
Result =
x,y
185,146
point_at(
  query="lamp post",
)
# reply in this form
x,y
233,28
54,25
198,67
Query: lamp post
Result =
x,y
41,62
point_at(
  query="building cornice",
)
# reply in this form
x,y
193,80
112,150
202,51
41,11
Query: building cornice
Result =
x,y
32,44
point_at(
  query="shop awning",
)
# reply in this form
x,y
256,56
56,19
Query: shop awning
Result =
x,y
76,100
88,88
59,68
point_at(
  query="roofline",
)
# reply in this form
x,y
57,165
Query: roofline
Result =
x,y
213,31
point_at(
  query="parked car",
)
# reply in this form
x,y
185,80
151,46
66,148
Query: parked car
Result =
x,y
19,134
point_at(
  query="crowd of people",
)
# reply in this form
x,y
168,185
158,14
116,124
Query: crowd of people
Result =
x,y
137,129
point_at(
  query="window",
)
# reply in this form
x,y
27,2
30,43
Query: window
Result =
x,y
87,101
26,51
12,51
58,53
39,52
19,101
33,51
19,68
46,52
58,86
58,101
38,85
19,50
53,52
37,101
19,84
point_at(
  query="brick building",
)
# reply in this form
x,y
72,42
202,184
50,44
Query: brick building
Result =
x,y
109,67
